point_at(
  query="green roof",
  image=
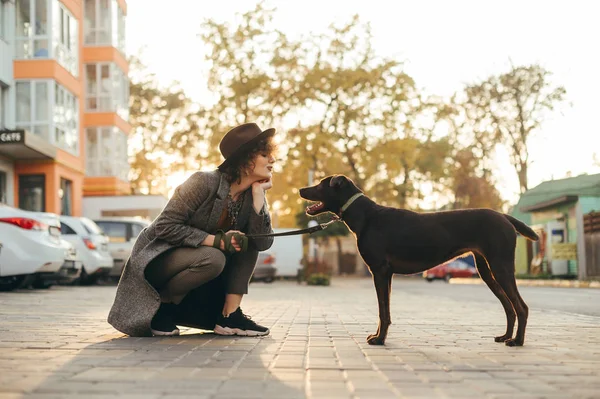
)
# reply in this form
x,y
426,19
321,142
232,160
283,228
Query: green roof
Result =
x,y
581,186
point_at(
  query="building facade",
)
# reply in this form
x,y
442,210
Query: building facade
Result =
x,y
63,103
557,210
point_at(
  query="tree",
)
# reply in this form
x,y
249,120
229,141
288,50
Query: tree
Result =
x,y
471,186
165,134
509,108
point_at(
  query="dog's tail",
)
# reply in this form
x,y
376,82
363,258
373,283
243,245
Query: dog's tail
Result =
x,y
522,228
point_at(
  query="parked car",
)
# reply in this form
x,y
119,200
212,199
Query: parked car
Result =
x,y
265,269
70,269
32,249
448,270
91,244
122,233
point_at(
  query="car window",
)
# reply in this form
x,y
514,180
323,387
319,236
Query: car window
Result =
x,y
136,229
90,226
117,232
64,229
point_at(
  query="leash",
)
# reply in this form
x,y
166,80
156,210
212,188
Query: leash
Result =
x,y
310,230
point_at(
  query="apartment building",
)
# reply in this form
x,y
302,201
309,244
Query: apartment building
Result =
x,y
63,103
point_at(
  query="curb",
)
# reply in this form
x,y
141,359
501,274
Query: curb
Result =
x,y
535,283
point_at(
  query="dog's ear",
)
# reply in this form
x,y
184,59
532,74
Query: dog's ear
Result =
x,y
337,181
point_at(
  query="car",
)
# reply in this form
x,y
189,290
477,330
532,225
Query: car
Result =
x,y
448,270
33,251
91,244
122,233
70,269
265,269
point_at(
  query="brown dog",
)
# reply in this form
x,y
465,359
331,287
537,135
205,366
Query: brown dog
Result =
x,y
403,242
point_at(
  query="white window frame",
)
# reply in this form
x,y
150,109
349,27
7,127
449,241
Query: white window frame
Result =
x,y
112,33
61,36
67,121
34,123
21,40
115,162
117,97
65,38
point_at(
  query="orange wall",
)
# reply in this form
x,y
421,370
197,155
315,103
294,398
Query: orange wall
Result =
x,y
47,69
91,119
53,172
105,54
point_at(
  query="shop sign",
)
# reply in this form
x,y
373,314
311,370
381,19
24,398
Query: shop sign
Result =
x,y
564,251
12,136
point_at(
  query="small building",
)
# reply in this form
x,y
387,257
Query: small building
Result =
x,y
556,210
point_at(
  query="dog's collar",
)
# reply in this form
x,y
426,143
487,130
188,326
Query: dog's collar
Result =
x,y
349,202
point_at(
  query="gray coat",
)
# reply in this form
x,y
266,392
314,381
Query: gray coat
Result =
x,y
189,217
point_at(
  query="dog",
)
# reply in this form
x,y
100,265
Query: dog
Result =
x,y
397,241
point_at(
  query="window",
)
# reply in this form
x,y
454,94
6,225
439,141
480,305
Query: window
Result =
x,y
107,89
136,229
31,36
3,101
49,110
104,24
64,229
2,24
65,38
33,107
106,152
32,193
66,196
3,184
116,232
66,117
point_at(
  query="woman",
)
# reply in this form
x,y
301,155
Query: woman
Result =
x,y
192,265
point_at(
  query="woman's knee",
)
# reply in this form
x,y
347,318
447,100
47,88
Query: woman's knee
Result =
x,y
210,261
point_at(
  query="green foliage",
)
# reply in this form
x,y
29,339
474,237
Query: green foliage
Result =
x,y
318,279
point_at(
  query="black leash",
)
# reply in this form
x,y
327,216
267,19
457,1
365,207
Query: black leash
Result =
x,y
308,230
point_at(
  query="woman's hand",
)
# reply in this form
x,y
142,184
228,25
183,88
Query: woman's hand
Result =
x,y
258,193
236,245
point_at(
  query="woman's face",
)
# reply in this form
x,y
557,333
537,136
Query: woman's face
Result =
x,y
263,166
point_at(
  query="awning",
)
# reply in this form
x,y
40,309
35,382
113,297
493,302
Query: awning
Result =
x,y
22,145
550,203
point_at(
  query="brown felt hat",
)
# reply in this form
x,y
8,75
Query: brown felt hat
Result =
x,y
240,140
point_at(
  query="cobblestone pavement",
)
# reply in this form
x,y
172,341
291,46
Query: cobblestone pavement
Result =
x,y
56,344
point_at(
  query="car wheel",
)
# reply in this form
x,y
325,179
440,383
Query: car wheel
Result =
x,y
41,284
429,279
11,282
86,279
447,277
269,280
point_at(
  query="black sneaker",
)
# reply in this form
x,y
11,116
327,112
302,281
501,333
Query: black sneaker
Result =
x,y
237,323
162,324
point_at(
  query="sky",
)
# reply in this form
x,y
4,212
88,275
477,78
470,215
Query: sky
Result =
x,y
444,44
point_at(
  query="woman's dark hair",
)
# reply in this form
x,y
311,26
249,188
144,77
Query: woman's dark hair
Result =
x,y
233,172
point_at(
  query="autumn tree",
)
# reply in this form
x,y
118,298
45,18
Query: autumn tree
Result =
x,y
165,136
509,108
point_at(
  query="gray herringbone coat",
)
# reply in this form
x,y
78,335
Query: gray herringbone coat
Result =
x,y
189,217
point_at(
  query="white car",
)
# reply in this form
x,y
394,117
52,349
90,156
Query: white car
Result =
x,y
91,245
122,233
33,252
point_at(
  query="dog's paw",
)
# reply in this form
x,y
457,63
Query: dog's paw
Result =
x,y
374,339
502,338
513,342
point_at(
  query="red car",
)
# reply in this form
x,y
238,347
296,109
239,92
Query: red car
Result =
x,y
454,268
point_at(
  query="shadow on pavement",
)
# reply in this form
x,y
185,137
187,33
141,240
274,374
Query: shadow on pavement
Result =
x,y
199,365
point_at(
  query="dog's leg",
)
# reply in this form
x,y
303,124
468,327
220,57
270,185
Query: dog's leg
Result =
x,y
486,275
383,286
504,273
